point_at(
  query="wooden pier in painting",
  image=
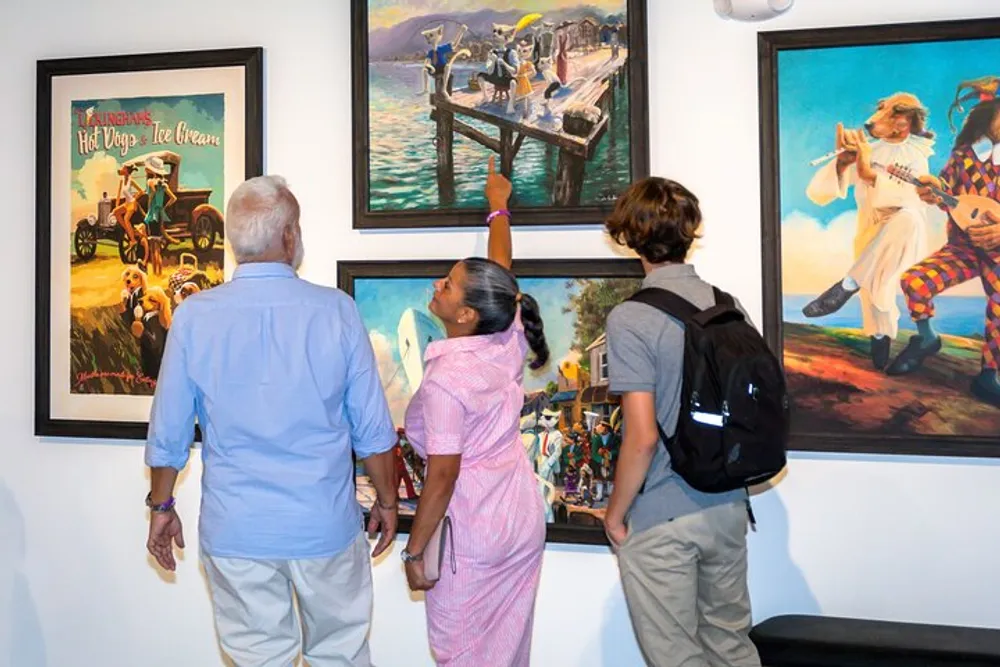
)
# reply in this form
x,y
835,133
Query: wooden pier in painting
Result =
x,y
592,78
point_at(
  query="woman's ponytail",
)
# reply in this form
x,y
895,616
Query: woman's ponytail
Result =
x,y
534,331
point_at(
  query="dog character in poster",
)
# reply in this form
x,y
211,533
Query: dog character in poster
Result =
x,y
186,290
134,283
151,330
968,189
441,56
892,225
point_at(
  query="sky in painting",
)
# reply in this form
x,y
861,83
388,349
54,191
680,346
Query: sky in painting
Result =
x,y
381,302
95,173
387,13
817,88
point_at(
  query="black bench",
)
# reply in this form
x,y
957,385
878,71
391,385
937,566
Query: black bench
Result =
x,y
818,641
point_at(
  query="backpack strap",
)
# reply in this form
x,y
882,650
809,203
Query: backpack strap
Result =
x,y
666,301
722,298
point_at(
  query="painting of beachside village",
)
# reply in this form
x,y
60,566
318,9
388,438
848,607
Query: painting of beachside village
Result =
x,y
541,84
891,303
570,425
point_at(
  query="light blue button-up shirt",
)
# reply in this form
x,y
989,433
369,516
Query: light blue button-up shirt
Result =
x,y
283,380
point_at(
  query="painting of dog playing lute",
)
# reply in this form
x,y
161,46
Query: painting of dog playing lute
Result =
x,y
965,210
886,300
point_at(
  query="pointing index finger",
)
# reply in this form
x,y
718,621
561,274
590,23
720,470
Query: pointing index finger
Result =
x,y
492,164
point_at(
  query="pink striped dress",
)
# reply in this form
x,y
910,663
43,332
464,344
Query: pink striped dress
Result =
x,y
469,403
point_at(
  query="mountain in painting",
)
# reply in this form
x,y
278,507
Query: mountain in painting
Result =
x,y
404,40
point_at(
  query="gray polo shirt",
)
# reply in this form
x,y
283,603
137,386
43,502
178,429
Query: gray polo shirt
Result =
x,y
646,354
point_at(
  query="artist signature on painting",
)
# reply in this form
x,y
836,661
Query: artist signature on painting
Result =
x,y
125,376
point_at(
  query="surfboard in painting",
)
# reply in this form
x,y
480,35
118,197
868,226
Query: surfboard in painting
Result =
x,y
416,331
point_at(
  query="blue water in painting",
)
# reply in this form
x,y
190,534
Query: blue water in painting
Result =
x,y
955,315
403,167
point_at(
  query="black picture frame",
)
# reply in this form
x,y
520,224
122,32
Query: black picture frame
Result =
x,y
769,45
350,271
251,60
553,215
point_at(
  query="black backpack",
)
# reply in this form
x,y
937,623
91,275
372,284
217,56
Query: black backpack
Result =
x,y
732,430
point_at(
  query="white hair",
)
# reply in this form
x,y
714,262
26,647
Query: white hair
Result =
x,y
258,213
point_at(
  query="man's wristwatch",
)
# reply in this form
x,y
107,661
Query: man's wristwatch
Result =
x,y
163,507
410,558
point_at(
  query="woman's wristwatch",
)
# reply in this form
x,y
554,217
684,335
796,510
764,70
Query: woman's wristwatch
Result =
x,y
410,558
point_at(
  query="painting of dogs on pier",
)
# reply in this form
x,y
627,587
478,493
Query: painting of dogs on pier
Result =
x,y
555,88
883,285
570,425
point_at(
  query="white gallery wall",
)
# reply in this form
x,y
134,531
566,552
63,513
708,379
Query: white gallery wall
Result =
x,y
913,539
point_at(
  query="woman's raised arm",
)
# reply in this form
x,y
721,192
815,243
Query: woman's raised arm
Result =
x,y
498,189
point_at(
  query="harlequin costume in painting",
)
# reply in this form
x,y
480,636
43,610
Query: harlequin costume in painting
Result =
x,y
972,169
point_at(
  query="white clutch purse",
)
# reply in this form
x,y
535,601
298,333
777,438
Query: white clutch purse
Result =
x,y
438,549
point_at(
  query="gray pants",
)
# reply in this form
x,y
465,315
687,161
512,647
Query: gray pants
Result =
x,y
685,584
260,625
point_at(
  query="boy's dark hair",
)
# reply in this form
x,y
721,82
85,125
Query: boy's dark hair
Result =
x,y
657,218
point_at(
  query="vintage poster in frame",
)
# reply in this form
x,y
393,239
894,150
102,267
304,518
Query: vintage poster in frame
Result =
x,y
136,156
570,424
881,234
557,89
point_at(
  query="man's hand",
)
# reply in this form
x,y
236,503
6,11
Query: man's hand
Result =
x,y
986,235
164,528
386,520
415,577
924,191
616,531
498,188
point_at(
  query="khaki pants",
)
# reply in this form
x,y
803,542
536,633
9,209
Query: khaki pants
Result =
x,y
259,626
685,584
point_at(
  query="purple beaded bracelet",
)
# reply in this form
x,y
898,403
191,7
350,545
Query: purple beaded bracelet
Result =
x,y
165,507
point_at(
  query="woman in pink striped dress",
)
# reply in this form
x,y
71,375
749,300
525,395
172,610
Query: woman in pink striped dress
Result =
x,y
464,420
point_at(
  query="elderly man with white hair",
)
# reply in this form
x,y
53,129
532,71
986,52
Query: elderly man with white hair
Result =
x,y
282,380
